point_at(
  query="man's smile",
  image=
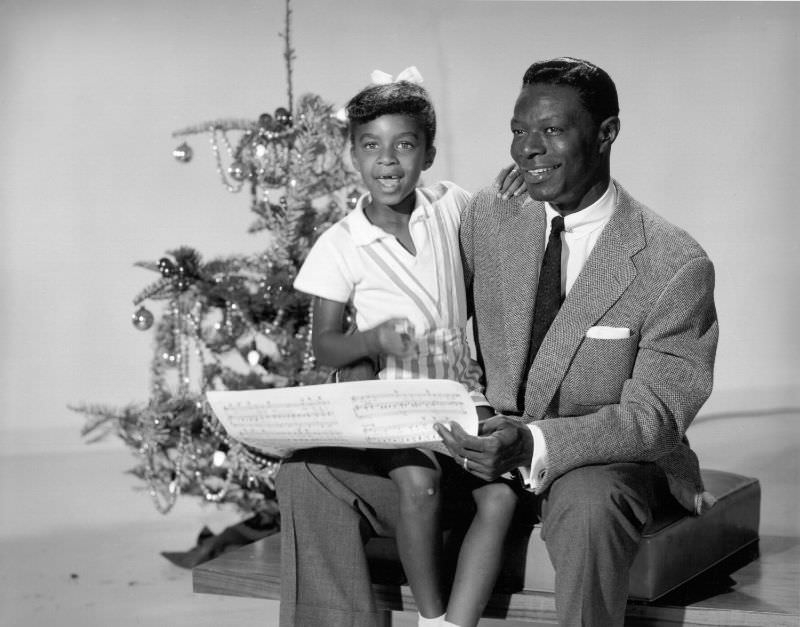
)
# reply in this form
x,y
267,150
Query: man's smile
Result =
x,y
542,172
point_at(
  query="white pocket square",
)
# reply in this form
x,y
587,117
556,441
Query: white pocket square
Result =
x,y
608,333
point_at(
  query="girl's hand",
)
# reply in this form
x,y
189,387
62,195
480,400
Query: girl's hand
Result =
x,y
394,337
510,182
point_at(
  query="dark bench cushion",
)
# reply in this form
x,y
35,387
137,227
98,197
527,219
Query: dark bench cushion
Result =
x,y
674,549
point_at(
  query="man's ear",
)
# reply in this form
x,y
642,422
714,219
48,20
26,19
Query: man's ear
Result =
x,y
430,155
607,133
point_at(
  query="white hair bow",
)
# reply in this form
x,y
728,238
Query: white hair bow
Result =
x,y
410,74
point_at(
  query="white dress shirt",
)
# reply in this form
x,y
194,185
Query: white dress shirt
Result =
x,y
581,230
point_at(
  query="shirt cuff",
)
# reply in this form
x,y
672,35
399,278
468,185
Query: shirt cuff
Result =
x,y
533,475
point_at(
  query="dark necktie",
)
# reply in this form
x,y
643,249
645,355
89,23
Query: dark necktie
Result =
x,y
548,292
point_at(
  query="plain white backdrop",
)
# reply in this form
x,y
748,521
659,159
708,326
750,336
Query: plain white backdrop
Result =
x,y
91,91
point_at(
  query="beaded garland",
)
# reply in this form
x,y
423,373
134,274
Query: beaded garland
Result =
x,y
294,164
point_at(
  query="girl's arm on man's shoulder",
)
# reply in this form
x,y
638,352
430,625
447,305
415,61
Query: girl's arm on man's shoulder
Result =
x,y
509,182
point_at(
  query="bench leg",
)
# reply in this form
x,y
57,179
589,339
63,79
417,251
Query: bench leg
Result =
x,y
385,619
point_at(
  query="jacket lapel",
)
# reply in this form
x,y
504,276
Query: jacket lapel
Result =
x,y
519,271
605,276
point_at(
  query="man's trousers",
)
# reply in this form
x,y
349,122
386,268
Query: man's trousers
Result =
x,y
333,500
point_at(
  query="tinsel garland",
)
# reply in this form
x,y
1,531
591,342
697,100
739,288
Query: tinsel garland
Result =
x,y
234,322
216,316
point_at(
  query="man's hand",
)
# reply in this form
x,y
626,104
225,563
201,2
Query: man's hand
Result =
x,y
504,444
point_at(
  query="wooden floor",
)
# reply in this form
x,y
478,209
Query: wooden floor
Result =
x,y
80,547
763,593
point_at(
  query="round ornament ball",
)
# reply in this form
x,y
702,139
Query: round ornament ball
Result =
x,y
142,318
183,153
166,267
238,171
283,117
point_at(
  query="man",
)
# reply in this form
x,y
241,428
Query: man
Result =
x,y
596,393
593,395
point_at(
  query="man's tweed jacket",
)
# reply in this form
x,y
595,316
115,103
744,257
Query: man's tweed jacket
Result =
x,y
596,400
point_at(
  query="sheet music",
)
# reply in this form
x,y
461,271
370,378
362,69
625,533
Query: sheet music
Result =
x,y
359,414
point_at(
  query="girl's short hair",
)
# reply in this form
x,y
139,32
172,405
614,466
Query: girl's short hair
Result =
x,y
401,97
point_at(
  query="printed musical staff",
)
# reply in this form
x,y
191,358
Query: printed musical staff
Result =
x,y
360,414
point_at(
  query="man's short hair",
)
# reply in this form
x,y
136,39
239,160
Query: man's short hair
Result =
x,y
595,87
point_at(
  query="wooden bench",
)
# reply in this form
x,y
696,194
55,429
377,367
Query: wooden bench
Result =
x,y
734,590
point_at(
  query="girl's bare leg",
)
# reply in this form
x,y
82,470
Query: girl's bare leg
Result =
x,y
481,554
419,534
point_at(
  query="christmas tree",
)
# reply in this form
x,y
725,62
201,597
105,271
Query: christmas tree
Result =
x,y
234,322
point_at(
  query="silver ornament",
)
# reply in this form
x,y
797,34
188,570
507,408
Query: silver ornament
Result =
x,y
183,153
238,171
142,319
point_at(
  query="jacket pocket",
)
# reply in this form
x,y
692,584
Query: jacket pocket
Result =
x,y
598,372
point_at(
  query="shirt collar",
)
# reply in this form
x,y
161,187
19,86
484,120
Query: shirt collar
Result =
x,y
364,232
590,218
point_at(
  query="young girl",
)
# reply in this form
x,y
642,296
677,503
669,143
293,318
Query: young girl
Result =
x,y
396,258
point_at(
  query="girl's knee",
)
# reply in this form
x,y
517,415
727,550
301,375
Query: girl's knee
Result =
x,y
495,499
417,487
